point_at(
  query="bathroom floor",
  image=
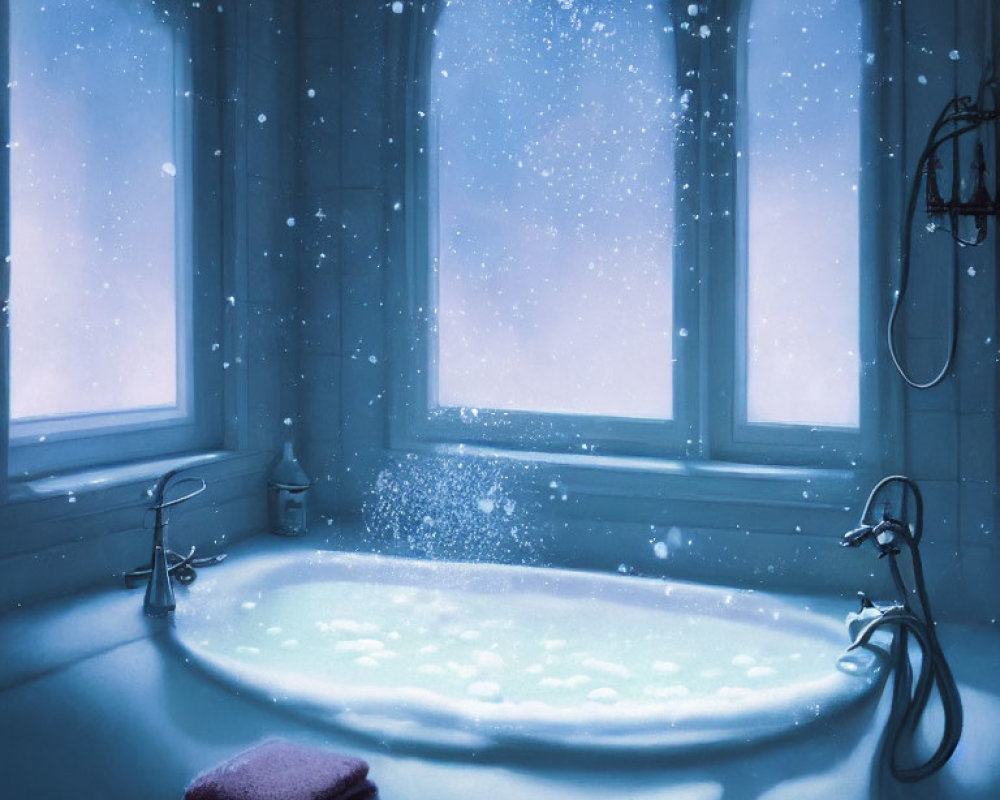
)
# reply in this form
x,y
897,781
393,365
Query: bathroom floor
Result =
x,y
94,706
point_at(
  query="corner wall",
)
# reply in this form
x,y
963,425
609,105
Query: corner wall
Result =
x,y
342,335
951,430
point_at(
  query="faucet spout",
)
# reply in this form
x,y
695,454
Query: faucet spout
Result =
x,y
159,600
159,592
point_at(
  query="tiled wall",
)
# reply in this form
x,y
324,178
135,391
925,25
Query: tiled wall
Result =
x,y
951,430
948,440
342,272
319,169
264,83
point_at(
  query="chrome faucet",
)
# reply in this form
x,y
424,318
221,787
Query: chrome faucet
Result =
x,y
885,535
911,617
166,563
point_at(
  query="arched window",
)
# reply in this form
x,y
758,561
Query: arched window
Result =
x,y
637,224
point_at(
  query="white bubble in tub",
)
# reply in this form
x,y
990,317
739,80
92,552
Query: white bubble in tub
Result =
x,y
668,692
485,690
488,659
760,672
603,695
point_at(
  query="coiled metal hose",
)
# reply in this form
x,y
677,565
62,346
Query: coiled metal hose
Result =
x,y
909,700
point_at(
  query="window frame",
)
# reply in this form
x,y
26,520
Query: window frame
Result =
x,y
414,419
736,438
708,425
58,443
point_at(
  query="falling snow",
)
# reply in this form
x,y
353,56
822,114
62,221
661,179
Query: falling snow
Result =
x,y
452,508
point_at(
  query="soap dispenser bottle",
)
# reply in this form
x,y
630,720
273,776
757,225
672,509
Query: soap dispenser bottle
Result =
x,y
287,494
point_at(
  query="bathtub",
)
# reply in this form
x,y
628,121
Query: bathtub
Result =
x,y
484,656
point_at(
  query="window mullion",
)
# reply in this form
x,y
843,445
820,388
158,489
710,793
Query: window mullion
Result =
x,y
692,341
721,320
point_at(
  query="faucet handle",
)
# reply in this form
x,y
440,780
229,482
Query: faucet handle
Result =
x,y
161,503
181,567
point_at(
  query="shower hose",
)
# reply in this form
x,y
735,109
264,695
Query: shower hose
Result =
x,y
959,116
909,700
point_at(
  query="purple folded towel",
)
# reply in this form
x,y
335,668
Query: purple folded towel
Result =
x,y
280,770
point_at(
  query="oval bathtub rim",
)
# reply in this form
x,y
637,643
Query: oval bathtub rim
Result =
x,y
444,729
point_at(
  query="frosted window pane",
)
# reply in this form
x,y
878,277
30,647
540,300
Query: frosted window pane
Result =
x,y
93,183
554,127
803,95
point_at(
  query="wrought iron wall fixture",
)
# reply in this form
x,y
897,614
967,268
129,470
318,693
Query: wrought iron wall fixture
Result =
x,y
960,120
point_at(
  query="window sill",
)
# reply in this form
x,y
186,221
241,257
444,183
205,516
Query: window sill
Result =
x,y
79,482
74,506
690,493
